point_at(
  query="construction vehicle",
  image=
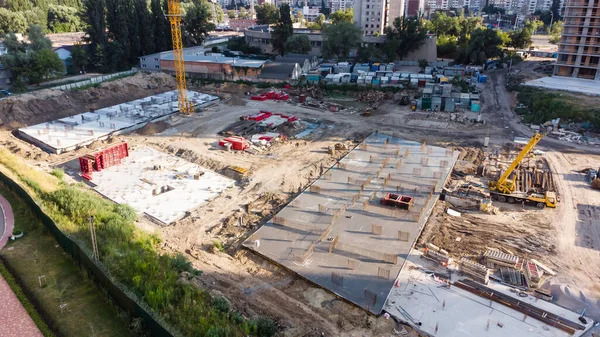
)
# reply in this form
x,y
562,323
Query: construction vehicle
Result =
x,y
175,15
397,200
504,189
405,100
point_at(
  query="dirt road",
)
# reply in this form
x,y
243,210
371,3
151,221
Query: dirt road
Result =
x,y
577,221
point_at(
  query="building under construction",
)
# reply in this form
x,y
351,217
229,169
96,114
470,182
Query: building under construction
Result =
x,y
70,133
339,235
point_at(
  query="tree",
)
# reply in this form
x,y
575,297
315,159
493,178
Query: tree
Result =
x,y
196,23
244,13
556,32
446,46
12,22
299,17
160,24
117,21
520,38
144,27
79,58
219,12
299,44
491,9
45,63
345,15
484,44
231,14
555,10
340,39
266,14
37,39
406,35
36,16
283,30
18,5
320,19
94,16
62,19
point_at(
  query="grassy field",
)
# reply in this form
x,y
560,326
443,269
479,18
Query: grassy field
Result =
x,y
37,253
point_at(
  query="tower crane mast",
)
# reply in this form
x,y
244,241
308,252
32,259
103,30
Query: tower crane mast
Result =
x,y
174,15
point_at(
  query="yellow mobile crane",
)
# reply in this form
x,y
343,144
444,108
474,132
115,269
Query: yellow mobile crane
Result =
x,y
504,189
174,15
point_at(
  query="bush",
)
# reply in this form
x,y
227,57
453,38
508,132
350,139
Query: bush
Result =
x,y
58,173
218,245
22,297
265,327
221,304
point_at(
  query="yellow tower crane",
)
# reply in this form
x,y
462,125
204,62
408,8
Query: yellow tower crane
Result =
x,y
174,15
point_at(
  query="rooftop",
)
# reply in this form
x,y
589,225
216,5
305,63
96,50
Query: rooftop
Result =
x,y
234,61
277,70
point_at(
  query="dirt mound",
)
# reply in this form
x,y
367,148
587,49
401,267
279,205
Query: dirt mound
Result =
x,y
373,96
49,104
153,128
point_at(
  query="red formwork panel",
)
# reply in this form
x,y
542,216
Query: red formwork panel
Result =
x,y
85,165
103,159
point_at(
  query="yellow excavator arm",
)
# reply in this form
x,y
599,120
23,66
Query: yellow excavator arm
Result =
x,y
174,15
503,185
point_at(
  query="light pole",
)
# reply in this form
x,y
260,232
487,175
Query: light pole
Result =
x,y
551,20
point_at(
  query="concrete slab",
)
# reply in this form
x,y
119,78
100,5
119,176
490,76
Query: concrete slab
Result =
x,y
135,182
69,133
452,312
337,235
588,87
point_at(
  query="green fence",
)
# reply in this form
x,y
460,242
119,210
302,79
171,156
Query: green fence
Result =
x,y
95,271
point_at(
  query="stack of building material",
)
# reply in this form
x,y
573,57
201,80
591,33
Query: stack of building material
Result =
x,y
533,274
512,276
474,270
237,143
495,258
102,159
435,253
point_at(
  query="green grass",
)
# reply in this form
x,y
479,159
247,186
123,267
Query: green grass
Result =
x,y
22,297
88,313
131,257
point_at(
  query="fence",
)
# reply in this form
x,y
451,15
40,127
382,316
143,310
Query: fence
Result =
x,y
94,80
95,271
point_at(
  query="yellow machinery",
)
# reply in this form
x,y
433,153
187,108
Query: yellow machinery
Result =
x,y
504,188
175,15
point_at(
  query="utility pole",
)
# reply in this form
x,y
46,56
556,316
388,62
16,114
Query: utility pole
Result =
x,y
93,233
551,20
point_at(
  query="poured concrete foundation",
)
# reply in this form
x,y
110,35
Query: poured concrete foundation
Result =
x,y
162,186
70,133
338,235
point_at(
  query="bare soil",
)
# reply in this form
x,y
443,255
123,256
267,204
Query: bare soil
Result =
x,y
566,239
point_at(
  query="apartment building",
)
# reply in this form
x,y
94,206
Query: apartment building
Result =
x,y
373,16
579,47
337,5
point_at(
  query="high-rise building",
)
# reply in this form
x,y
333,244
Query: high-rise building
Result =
x,y
579,46
372,16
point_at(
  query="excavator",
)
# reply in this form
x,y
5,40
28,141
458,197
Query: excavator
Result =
x,y
504,188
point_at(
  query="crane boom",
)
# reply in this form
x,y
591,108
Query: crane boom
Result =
x,y
504,185
174,9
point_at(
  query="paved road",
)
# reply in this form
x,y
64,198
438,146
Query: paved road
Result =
x,y
6,221
14,319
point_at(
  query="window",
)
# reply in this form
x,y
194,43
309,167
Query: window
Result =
x,y
366,26
156,59
371,26
143,59
367,13
377,26
157,66
143,66
367,6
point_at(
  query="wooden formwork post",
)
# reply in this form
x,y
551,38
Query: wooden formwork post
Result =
x,y
399,163
370,159
376,229
333,244
365,205
406,153
423,145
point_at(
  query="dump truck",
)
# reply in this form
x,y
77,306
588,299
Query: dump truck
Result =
x,y
504,188
397,200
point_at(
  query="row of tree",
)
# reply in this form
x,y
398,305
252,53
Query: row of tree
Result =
x,y
55,16
120,31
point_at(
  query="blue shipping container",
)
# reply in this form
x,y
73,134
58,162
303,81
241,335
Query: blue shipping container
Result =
x,y
482,78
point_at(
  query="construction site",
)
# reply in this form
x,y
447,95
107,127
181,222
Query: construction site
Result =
x,y
366,219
